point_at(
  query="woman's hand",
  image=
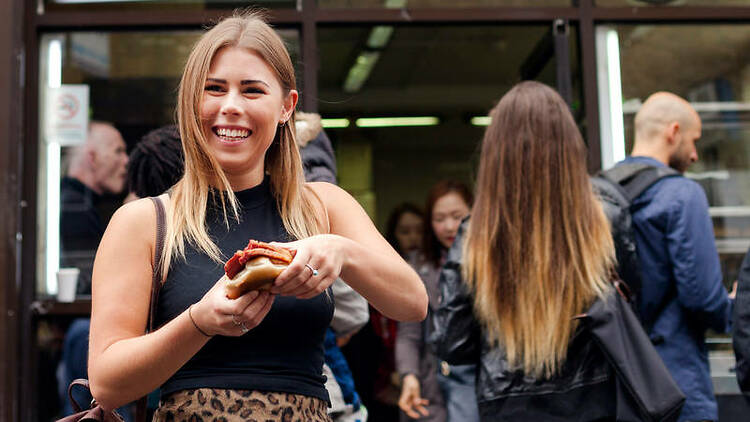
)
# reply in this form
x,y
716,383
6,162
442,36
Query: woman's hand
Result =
x,y
411,401
216,314
315,267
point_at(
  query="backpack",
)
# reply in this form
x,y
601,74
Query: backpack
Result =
x,y
616,188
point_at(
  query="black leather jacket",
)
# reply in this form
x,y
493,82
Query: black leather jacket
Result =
x,y
582,391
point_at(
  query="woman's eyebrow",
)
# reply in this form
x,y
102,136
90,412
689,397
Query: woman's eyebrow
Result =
x,y
242,82
253,81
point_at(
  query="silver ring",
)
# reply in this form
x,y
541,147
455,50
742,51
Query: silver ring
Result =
x,y
243,328
234,320
314,271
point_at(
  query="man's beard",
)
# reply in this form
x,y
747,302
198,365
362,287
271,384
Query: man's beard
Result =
x,y
678,163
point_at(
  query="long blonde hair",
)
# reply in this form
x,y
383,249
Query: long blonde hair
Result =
x,y
283,164
538,249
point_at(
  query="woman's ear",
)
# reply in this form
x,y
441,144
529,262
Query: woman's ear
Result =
x,y
288,105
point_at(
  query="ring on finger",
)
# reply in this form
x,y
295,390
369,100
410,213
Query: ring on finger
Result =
x,y
314,271
235,321
243,328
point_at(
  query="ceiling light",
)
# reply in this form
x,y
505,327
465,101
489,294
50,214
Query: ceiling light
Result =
x,y
379,36
395,4
397,121
335,123
360,71
481,120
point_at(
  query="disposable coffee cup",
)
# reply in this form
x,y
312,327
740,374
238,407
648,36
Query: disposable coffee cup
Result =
x,y
67,281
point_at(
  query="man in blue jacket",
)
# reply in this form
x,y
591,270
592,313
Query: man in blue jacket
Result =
x,y
741,328
682,293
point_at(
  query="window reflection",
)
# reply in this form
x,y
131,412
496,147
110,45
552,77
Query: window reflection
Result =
x,y
717,82
711,71
131,81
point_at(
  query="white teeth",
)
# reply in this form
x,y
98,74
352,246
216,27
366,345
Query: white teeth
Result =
x,y
232,133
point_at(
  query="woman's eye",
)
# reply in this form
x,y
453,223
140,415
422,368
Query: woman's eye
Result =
x,y
213,88
253,91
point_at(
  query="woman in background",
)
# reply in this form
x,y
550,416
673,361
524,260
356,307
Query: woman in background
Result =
x,y
405,229
536,252
431,389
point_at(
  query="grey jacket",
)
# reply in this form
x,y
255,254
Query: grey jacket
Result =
x,y
413,354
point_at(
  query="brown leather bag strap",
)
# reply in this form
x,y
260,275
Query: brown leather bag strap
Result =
x,y
161,231
73,403
156,276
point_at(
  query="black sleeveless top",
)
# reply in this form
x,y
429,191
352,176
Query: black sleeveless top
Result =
x,y
282,354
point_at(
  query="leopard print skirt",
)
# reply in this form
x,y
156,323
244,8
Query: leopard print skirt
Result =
x,y
219,405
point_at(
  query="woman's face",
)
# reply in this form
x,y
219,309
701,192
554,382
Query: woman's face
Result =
x,y
409,232
243,104
447,214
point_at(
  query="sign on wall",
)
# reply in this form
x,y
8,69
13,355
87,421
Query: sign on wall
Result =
x,y
67,114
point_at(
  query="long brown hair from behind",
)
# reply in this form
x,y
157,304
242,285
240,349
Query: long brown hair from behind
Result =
x,y
431,246
283,164
538,249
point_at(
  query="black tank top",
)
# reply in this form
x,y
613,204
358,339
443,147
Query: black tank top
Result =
x,y
282,354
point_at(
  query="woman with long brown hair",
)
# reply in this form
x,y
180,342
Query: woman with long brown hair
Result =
x,y
536,252
260,354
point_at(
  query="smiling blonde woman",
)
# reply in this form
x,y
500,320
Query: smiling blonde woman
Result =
x,y
262,353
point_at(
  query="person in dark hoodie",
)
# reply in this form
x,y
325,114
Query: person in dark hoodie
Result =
x,y
351,309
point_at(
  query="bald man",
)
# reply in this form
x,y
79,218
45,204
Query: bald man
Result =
x,y
97,167
682,293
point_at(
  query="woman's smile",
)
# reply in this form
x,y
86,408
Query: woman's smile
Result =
x,y
231,134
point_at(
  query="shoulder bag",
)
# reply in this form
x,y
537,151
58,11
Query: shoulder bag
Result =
x,y
646,390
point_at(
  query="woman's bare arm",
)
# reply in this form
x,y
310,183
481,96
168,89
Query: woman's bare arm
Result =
x,y
125,364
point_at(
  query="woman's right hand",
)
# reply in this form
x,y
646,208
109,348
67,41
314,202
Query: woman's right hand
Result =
x,y
215,314
411,400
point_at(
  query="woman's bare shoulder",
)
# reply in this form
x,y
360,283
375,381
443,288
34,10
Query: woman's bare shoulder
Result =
x,y
328,192
135,220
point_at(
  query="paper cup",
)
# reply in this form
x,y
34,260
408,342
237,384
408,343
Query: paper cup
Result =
x,y
67,281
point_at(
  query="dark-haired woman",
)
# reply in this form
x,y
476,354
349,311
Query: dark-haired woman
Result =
x,y
432,389
536,252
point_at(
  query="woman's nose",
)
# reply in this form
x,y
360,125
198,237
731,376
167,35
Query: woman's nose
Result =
x,y
230,105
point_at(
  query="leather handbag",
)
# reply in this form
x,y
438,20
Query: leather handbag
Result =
x,y
95,411
646,390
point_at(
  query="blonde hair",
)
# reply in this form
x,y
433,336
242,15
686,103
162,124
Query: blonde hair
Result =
x,y
187,213
538,248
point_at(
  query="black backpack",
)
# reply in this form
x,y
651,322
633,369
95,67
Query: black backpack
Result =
x,y
617,187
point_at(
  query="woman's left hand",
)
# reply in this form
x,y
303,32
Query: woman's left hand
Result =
x,y
315,266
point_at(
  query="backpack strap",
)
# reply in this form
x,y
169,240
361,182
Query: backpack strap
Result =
x,y
635,178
